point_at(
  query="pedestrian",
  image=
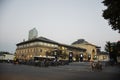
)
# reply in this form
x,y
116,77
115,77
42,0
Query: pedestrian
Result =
x,y
93,66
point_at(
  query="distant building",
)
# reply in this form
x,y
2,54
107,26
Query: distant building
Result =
x,y
44,47
103,56
6,57
33,33
91,50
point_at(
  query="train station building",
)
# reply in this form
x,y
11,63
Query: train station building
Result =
x,y
92,50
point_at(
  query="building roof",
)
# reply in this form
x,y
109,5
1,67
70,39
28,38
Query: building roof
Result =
x,y
82,41
43,39
73,47
47,40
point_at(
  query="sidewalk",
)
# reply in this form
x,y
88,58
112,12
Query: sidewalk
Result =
x,y
115,68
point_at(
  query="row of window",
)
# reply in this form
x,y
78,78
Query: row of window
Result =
x,y
30,50
37,43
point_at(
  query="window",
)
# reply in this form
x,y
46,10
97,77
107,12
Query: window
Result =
x,y
56,45
32,49
52,45
31,44
36,43
27,45
40,50
40,43
63,48
48,44
45,44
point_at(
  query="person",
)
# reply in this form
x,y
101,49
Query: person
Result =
x,y
43,63
15,61
93,66
98,66
112,62
8,61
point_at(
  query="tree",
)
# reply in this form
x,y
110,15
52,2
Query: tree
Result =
x,y
111,48
64,55
112,13
118,48
108,47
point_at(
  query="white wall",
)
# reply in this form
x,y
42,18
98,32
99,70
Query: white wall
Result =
x,y
8,57
1,57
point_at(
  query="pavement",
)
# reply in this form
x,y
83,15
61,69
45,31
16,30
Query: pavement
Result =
x,y
73,71
76,66
113,69
85,66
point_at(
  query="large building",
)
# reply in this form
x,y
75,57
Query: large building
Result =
x,y
91,50
44,47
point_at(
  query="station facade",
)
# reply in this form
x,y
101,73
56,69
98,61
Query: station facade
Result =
x,y
92,50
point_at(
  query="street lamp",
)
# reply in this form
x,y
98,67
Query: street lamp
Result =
x,y
89,57
95,57
70,56
55,54
81,57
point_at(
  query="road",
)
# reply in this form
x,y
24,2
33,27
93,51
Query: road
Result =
x,y
74,71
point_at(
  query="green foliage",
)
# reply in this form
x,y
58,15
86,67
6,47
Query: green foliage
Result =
x,y
108,47
113,49
112,13
118,48
3,52
64,55
59,53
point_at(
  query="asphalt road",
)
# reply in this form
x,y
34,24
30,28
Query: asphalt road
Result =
x,y
68,72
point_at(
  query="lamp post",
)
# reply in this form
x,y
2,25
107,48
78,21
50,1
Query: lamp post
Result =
x,y
70,56
55,54
89,57
81,57
95,57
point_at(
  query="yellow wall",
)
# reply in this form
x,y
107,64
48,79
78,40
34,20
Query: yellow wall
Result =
x,y
27,53
103,57
89,49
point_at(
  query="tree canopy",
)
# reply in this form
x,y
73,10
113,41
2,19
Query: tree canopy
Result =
x,y
112,13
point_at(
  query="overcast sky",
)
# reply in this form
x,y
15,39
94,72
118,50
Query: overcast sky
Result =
x,y
64,21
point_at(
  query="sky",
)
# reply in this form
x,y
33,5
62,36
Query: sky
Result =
x,y
64,21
